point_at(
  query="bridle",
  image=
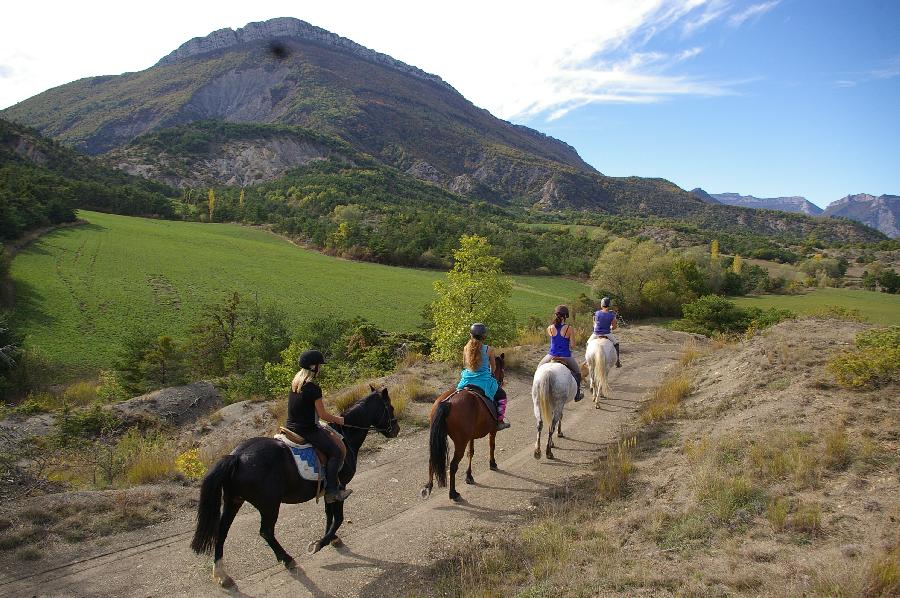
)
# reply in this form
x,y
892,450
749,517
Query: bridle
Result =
x,y
391,423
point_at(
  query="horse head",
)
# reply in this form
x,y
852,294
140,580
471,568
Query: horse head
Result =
x,y
498,368
375,411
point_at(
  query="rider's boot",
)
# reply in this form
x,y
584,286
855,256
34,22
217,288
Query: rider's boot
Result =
x,y
618,364
332,492
579,395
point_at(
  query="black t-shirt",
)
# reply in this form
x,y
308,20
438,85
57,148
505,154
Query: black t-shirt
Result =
x,y
302,408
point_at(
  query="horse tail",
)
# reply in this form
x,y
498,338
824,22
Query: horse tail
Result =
x,y
438,443
209,509
543,389
600,369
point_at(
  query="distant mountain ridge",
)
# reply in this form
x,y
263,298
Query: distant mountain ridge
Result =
x,y
796,203
244,107
881,213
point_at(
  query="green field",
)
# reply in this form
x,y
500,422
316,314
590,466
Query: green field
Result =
x,y
79,290
879,308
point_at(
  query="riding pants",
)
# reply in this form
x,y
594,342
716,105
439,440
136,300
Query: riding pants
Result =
x,y
571,363
326,442
500,398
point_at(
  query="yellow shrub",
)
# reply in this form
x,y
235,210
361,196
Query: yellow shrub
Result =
x,y
190,465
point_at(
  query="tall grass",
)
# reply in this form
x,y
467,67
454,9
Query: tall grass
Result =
x,y
665,400
615,471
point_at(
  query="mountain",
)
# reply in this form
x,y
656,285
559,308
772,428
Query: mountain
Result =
x,y
245,107
881,213
796,204
704,196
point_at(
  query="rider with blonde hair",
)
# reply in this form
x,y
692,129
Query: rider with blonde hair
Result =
x,y
305,408
478,359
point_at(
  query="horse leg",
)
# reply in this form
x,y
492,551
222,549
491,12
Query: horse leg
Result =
x,y
232,506
549,451
492,439
469,478
559,432
334,517
459,449
537,443
268,517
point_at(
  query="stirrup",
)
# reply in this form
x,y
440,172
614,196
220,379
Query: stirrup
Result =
x,y
502,425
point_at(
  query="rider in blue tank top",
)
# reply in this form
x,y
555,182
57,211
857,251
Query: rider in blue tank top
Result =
x,y
561,337
479,363
604,323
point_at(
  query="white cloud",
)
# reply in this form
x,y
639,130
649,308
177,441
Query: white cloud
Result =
x,y
889,69
753,11
517,60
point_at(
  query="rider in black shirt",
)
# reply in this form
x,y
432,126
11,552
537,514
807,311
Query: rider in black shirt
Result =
x,y
305,408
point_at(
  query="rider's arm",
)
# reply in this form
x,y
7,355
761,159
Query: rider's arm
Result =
x,y
614,324
491,360
570,333
323,414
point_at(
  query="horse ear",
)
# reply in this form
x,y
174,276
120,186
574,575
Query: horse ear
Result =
x,y
372,386
503,356
384,394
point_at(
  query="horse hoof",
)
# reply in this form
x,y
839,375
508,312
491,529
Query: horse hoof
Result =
x,y
596,405
560,434
313,548
224,581
425,492
494,466
470,480
290,565
537,454
337,542
550,455
456,497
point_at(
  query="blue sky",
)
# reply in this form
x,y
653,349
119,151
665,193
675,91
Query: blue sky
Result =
x,y
809,105
761,97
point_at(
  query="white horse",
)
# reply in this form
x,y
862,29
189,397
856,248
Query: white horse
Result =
x,y
552,388
600,357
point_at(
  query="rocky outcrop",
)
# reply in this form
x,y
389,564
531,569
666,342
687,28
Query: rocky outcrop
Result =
x,y
239,162
797,204
703,196
176,406
881,213
286,27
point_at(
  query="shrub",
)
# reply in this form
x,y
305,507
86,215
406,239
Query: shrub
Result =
x,y
838,312
80,393
712,313
664,401
874,363
190,465
777,513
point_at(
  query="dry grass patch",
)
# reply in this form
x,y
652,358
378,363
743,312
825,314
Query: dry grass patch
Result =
x,y
806,518
883,575
412,358
690,353
514,358
777,512
665,400
346,398
612,478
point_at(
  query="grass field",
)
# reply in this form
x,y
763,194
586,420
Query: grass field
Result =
x,y
79,290
879,308
592,232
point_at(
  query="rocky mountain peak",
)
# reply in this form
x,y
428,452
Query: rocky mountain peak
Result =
x,y
289,28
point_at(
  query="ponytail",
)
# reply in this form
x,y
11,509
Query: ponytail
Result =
x,y
472,354
558,319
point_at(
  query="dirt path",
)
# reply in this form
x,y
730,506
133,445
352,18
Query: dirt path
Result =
x,y
390,533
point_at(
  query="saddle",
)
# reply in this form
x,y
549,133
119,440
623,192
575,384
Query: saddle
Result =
x,y
478,392
310,460
562,360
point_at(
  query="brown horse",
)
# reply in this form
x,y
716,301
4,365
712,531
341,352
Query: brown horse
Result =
x,y
463,417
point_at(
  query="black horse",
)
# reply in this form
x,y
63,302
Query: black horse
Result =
x,y
262,472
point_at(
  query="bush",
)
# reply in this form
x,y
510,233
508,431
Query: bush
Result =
x,y
712,313
874,363
190,465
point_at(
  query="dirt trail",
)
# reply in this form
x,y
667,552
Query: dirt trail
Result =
x,y
390,530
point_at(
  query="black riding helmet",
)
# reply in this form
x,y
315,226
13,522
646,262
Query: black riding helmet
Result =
x,y
605,302
311,358
478,330
562,311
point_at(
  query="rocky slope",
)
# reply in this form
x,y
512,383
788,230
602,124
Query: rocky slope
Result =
x,y
797,204
881,213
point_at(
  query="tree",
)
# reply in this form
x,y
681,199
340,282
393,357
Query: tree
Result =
x,y
714,249
241,199
737,264
475,290
211,202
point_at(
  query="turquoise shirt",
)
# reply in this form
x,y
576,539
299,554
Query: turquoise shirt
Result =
x,y
482,377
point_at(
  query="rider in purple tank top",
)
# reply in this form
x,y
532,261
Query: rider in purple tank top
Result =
x,y
604,323
561,337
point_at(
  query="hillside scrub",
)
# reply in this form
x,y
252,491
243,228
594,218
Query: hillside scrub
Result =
x,y
712,314
873,363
